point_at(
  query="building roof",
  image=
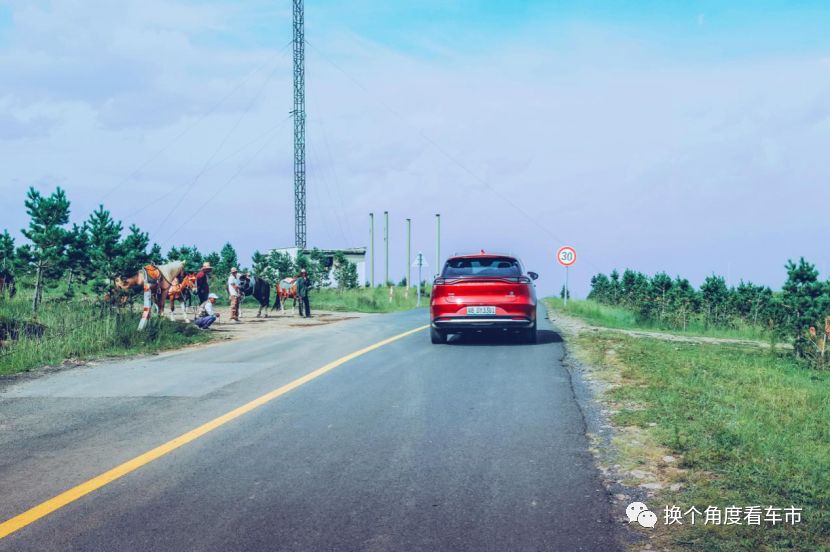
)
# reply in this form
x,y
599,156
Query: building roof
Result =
x,y
346,251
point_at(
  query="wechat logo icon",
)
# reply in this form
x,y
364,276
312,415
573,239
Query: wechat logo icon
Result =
x,y
639,512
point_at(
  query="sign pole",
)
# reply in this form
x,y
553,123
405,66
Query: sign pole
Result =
x,y
566,286
566,256
420,264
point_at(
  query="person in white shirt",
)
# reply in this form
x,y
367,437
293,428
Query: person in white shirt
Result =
x,y
207,315
234,293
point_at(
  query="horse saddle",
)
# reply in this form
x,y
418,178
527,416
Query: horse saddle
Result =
x,y
153,273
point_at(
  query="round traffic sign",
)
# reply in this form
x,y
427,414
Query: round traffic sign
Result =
x,y
566,255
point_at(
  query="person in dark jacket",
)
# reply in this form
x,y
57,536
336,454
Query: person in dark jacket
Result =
x,y
303,287
202,288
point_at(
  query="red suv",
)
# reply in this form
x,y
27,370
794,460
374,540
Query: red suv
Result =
x,y
483,291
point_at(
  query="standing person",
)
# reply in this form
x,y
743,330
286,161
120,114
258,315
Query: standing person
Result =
x,y
202,286
234,293
303,287
207,315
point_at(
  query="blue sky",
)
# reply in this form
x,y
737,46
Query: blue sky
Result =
x,y
680,136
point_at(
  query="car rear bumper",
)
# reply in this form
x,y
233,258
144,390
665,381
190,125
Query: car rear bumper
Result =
x,y
456,322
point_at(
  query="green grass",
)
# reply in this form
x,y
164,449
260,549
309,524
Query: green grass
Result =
x,y
375,300
621,318
82,329
752,427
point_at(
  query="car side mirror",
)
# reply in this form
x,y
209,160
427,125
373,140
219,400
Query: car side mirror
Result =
x,y
533,275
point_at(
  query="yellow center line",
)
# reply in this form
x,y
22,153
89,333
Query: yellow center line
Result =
x,y
45,508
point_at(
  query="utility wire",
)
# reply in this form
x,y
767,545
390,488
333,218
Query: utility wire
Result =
x,y
225,184
214,165
315,195
336,175
440,149
190,127
318,169
218,148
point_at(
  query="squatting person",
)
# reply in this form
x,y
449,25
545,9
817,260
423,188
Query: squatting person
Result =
x,y
207,315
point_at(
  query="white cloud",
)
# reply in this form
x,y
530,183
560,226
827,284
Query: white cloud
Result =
x,y
633,157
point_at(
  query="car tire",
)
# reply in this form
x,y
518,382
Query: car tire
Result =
x,y
530,334
437,336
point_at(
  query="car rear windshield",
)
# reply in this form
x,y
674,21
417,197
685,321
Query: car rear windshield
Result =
x,y
498,267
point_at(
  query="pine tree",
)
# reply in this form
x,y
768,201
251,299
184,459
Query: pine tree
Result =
x,y
7,256
77,257
189,255
750,301
660,285
282,263
614,289
48,215
683,301
600,289
133,252
806,300
212,258
227,260
104,236
8,260
155,255
259,263
715,299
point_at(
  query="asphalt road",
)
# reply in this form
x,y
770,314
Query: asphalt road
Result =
x,y
473,445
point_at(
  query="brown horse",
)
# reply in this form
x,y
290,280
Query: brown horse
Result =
x,y
286,289
156,281
182,290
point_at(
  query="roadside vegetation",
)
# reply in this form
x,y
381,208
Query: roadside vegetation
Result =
x,y
609,316
750,427
362,299
58,299
799,313
71,330
366,299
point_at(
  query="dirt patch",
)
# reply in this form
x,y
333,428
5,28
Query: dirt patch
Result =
x,y
251,327
575,326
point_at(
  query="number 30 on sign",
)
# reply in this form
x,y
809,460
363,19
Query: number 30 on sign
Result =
x,y
566,255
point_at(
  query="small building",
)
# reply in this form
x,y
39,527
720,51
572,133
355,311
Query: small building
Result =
x,y
355,255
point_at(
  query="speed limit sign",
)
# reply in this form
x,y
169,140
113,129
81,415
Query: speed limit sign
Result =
x,y
566,255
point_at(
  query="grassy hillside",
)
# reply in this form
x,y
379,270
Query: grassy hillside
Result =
x,y
750,426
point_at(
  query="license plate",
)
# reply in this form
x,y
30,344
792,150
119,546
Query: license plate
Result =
x,y
481,310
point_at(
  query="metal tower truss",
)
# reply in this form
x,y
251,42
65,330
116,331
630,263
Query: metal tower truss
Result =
x,y
299,126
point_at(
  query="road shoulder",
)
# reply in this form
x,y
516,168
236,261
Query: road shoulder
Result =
x,y
616,450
